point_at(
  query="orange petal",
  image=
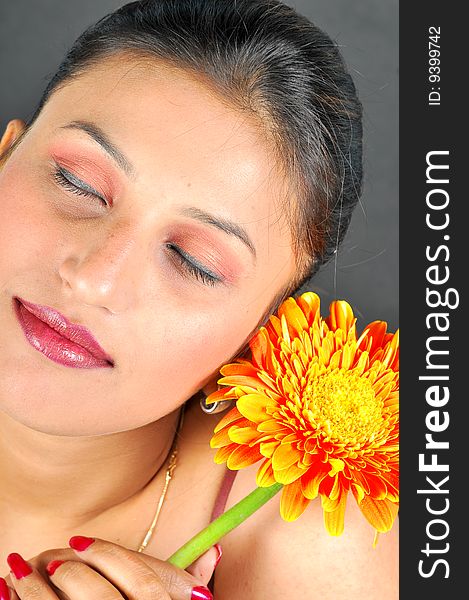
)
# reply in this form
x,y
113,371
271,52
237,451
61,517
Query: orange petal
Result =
x,y
309,459
373,336
298,366
311,444
274,328
392,484
335,360
329,504
267,448
294,315
289,475
243,456
284,456
334,520
309,302
337,465
272,365
363,363
244,361
290,437
242,435
244,380
252,406
270,385
245,368
392,352
231,417
223,454
348,356
379,513
271,426
222,394
378,488
361,480
341,316
285,330
259,346
265,474
358,492
292,502
220,439
384,392
311,480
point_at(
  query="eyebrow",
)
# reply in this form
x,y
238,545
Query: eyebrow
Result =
x,y
225,225
103,140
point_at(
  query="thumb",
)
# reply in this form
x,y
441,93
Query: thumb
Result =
x,y
204,566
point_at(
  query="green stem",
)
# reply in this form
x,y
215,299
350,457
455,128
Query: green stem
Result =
x,y
230,519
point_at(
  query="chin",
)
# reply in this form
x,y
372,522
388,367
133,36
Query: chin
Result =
x,y
40,411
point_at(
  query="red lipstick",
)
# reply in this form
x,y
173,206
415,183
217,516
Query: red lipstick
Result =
x,y
62,341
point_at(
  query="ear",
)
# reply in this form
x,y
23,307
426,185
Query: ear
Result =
x,y
12,132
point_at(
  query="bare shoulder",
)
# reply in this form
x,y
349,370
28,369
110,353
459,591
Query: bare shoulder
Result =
x,y
267,558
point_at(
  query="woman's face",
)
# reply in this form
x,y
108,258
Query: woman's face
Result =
x,y
144,208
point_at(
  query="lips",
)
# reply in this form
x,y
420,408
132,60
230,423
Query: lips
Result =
x,y
62,341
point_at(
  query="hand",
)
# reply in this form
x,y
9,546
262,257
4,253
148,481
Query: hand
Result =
x,y
107,570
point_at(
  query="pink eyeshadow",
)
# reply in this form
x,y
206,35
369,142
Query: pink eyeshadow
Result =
x,y
89,166
210,250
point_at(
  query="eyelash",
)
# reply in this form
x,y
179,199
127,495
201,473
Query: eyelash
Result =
x,y
61,176
188,265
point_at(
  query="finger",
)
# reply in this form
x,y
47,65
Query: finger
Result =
x,y
27,581
129,569
204,566
40,561
81,582
7,592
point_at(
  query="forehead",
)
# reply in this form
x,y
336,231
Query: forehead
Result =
x,y
158,113
183,139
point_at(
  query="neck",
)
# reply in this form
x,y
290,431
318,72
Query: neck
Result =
x,y
69,481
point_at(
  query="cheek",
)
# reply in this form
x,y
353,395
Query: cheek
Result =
x,y
26,231
214,339
187,347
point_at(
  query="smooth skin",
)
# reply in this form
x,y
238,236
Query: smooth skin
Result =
x,y
79,448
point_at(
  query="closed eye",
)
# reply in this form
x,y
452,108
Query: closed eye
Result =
x,y
189,265
192,266
78,187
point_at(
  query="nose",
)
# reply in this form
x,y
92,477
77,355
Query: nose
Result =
x,y
107,272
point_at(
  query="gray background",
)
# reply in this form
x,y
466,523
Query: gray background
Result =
x,y
34,35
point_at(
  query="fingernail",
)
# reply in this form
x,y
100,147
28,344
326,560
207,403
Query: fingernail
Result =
x,y
201,593
220,552
18,565
80,542
53,566
4,591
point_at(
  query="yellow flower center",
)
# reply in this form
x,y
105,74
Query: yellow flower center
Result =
x,y
345,404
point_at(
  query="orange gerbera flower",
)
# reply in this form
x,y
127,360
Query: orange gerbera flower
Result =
x,y
320,408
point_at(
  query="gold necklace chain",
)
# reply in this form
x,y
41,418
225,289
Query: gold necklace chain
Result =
x,y
169,474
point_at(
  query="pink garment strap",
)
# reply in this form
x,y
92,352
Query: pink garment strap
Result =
x,y
223,493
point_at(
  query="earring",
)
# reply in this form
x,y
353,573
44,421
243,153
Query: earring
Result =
x,y
214,407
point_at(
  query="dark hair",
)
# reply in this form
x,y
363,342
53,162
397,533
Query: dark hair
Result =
x,y
267,59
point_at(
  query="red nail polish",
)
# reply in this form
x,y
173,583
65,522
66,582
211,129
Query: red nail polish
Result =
x,y
201,593
220,552
18,565
4,591
80,542
53,566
